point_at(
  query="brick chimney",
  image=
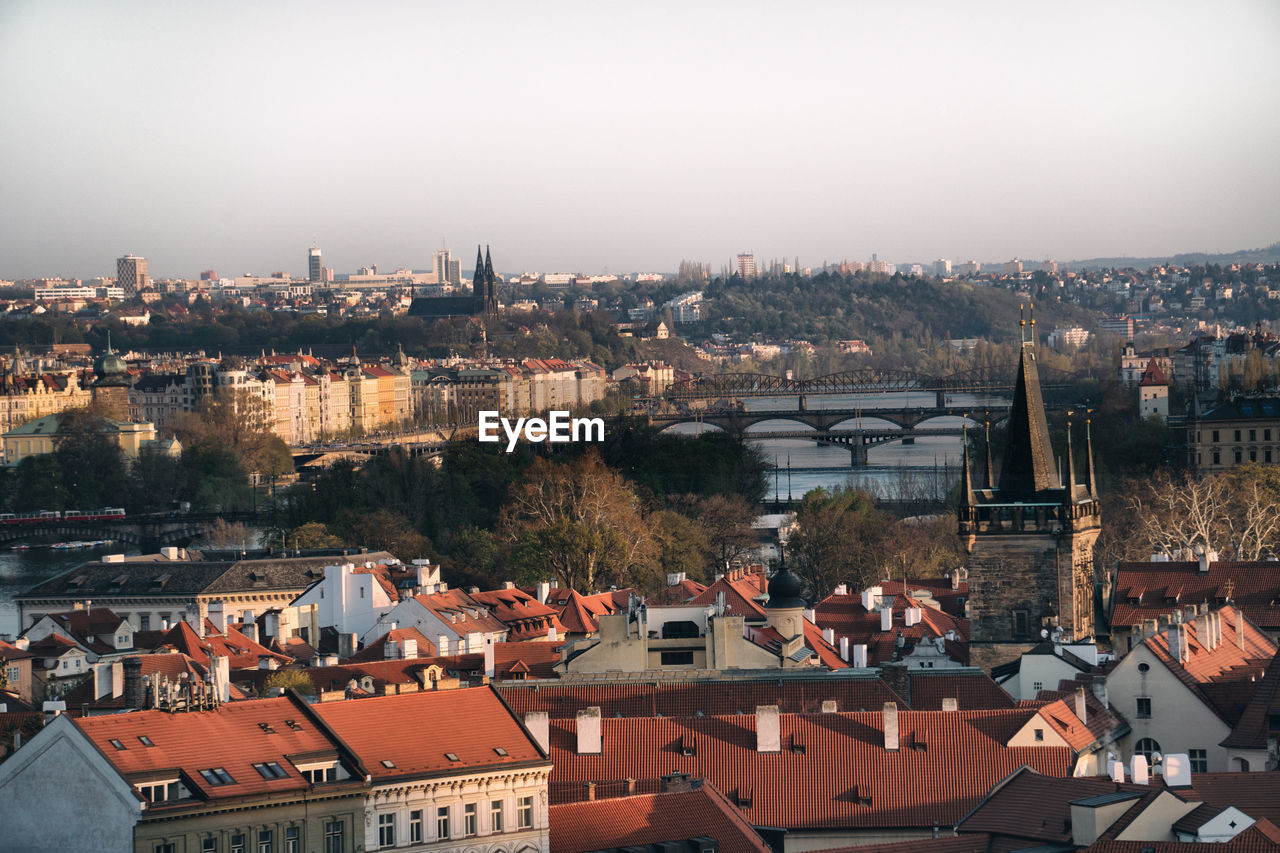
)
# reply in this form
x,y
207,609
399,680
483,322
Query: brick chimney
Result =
x,y
1082,708
134,690
539,725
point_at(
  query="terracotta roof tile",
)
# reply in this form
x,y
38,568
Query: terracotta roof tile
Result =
x,y
470,724
1255,725
832,771
1253,588
647,819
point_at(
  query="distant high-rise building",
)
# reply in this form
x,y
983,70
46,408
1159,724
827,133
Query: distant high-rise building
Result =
x,y
315,267
208,275
447,269
131,274
942,267
1013,267
970,268
747,265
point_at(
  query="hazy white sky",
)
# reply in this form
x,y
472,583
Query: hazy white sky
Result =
x,y
580,136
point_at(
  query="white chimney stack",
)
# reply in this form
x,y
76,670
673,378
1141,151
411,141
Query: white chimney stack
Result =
x,y
860,656
841,589
829,634
544,590
589,735
844,649
891,726
912,616
1138,770
1117,770
768,728
1082,708
539,725
552,636
409,648
871,598
442,644
886,618
488,655
950,704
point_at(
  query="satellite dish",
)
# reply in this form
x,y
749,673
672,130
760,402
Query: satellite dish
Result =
x,y
1044,633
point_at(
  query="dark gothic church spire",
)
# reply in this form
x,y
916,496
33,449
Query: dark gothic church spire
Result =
x,y
478,281
966,478
1091,482
1028,457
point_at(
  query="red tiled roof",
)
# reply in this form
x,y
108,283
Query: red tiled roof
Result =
x,y
1253,728
1261,837
950,600
740,588
976,843
470,723
832,771
1253,588
464,616
690,698
12,652
972,689
646,819
580,614
845,615
1207,672
231,737
377,650
524,616
1100,719
243,652
1153,375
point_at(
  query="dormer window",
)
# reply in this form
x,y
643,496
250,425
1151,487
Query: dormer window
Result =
x,y
270,770
216,776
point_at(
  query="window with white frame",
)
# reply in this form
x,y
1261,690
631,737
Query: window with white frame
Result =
x,y
495,816
524,813
442,822
415,826
386,830
470,819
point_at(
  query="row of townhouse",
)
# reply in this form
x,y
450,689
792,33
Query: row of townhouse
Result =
x,y
534,385
302,399
277,774
25,398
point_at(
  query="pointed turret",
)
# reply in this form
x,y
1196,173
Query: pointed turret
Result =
x,y
991,471
477,281
1091,482
1069,495
1028,457
966,479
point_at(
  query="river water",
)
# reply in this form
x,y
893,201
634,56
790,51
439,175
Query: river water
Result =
x,y
926,469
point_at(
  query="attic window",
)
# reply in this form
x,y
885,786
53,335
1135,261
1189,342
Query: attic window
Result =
x,y
270,770
117,744
688,747
293,725
145,741
742,799
217,776
266,728
500,751
451,756
388,763
797,748
160,581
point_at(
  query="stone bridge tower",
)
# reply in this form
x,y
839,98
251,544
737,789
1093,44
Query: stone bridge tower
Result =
x,y
1029,538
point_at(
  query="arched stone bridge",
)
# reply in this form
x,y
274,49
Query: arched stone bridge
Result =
x,y
144,532
867,380
858,441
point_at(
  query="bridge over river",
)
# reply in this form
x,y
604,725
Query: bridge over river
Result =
x,y
141,531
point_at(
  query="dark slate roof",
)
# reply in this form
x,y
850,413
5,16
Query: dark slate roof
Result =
x,y
1028,457
1244,408
186,577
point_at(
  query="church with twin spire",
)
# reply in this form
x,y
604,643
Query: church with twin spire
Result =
x,y
1028,532
483,301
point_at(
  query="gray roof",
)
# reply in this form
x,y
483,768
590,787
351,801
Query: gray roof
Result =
x,y
170,578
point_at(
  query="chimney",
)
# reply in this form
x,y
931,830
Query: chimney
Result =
x,y
488,656
675,783
891,726
1100,689
442,644
768,728
589,736
1239,628
1082,709
1204,563
844,649
250,630
552,636
221,667
630,786
1138,770
408,648
886,618
117,679
871,598
544,589
912,616
591,791
950,704
539,725
218,616
829,706
346,645
860,656
840,589
829,634
134,690
1117,770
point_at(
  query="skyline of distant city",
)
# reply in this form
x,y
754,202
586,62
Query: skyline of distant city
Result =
x,y
579,136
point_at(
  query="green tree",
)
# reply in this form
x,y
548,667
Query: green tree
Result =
x,y
839,538
313,534
89,455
